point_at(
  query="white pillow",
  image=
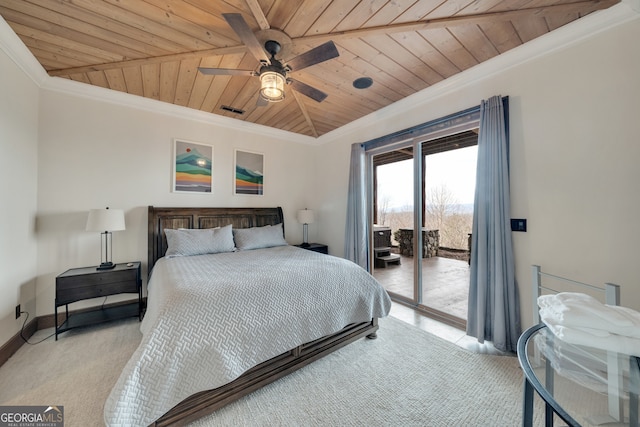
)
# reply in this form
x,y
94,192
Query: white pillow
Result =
x,y
259,237
186,242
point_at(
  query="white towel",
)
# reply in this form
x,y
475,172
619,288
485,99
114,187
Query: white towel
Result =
x,y
588,368
585,314
612,342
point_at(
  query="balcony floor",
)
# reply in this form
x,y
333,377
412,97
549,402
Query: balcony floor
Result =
x,y
445,283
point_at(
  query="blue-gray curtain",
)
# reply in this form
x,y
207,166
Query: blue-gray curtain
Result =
x,y
356,245
494,311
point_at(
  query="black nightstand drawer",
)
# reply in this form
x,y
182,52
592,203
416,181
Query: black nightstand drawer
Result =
x,y
316,247
78,284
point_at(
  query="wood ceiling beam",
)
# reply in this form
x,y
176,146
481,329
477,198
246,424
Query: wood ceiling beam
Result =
x,y
152,60
475,19
258,14
305,113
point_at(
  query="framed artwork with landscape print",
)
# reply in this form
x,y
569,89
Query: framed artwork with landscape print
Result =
x,y
249,173
192,167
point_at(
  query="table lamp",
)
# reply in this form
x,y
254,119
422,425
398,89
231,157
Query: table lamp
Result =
x,y
305,217
105,221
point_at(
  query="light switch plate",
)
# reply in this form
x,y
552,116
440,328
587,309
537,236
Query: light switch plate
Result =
x,y
518,224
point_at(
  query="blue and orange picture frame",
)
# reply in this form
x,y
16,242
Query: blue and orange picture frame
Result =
x,y
192,167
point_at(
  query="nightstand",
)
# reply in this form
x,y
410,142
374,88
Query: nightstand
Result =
x,y
316,247
84,283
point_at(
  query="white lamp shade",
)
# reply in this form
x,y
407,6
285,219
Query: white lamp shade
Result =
x,y
306,216
105,220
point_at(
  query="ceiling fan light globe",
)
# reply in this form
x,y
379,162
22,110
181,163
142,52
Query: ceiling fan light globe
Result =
x,y
272,86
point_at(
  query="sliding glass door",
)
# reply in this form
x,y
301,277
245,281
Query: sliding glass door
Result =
x,y
449,191
397,242
394,221
422,221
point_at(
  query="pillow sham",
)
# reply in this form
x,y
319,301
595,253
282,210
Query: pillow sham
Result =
x,y
259,237
187,242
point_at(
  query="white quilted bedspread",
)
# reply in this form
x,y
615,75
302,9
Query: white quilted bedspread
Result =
x,y
210,318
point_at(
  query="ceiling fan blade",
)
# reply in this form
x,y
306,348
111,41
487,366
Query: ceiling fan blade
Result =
x,y
310,91
242,29
314,56
226,72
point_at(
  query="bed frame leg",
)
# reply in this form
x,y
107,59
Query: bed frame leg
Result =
x,y
374,323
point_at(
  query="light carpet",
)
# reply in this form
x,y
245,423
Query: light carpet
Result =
x,y
406,377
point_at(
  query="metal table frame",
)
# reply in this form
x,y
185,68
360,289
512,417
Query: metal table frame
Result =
x,y
532,383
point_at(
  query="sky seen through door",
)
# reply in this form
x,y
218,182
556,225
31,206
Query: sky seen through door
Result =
x,y
455,169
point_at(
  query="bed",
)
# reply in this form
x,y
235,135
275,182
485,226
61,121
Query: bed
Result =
x,y
221,325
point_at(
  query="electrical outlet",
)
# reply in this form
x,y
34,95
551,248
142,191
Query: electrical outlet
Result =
x,y
18,311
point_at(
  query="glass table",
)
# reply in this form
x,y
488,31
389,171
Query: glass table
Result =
x,y
580,385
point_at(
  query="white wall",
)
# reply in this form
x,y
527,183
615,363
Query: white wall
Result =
x,y
95,154
18,189
574,159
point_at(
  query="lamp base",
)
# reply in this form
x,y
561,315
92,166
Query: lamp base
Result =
x,y
106,266
304,245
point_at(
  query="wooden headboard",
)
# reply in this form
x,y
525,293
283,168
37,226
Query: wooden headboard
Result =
x,y
173,218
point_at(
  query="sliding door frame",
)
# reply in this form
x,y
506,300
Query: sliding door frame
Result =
x,y
414,137
418,223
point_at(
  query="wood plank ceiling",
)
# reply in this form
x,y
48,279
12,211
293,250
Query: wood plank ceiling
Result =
x,y
153,48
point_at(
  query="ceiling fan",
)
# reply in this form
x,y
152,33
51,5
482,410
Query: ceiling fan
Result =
x,y
273,72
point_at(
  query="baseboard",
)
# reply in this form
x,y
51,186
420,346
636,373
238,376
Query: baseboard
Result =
x,y
15,342
44,322
48,320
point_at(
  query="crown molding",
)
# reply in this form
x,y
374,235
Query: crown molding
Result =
x,y
559,39
11,44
